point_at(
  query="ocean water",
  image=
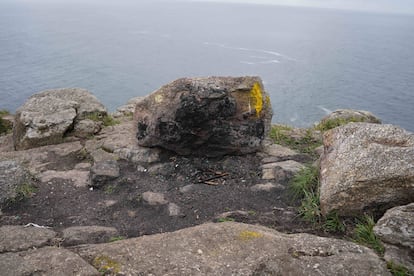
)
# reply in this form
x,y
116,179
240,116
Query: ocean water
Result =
x,y
312,61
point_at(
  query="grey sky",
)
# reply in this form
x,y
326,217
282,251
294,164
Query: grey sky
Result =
x,y
392,6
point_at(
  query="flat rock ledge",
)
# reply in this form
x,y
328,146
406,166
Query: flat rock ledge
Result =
x,y
233,249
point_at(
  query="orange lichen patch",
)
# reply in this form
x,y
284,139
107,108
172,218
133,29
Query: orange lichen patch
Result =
x,y
249,235
256,97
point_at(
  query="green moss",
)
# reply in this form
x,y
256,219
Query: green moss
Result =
x,y
107,120
225,219
110,189
117,238
364,234
335,122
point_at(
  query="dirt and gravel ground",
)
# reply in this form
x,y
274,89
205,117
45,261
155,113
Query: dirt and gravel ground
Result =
x,y
202,188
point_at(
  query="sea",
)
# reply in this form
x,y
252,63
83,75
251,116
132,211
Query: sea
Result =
x,y
312,61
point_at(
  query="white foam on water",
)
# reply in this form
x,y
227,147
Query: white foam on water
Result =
x,y
324,109
266,52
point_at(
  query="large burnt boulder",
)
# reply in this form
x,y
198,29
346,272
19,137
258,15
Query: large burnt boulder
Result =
x,y
210,116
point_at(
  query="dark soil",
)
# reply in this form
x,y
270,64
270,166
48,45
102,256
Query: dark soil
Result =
x,y
217,186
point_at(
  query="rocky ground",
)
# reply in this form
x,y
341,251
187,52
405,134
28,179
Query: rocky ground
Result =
x,y
172,193
81,197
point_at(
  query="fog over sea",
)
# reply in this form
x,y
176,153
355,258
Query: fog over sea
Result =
x,y
312,61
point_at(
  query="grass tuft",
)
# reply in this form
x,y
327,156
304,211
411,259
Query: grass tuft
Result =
x,y
25,190
305,187
333,223
364,234
305,181
398,270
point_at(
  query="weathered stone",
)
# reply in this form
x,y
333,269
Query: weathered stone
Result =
x,y
48,116
350,115
235,249
174,210
88,234
161,169
152,198
12,176
279,152
366,167
399,256
128,108
211,116
99,155
12,264
397,226
187,188
396,230
79,178
280,170
45,261
139,154
86,128
104,172
18,238
267,187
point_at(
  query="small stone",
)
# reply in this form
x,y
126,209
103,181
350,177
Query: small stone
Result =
x,y
83,166
267,187
187,188
87,234
278,151
174,210
153,199
103,172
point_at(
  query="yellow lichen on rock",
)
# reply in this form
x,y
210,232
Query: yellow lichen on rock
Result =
x,y
249,235
158,98
256,96
106,265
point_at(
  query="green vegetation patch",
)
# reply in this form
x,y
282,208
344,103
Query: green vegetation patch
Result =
x,y
333,223
335,122
364,234
225,219
5,126
26,190
304,143
305,187
116,238
107,120
399,270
